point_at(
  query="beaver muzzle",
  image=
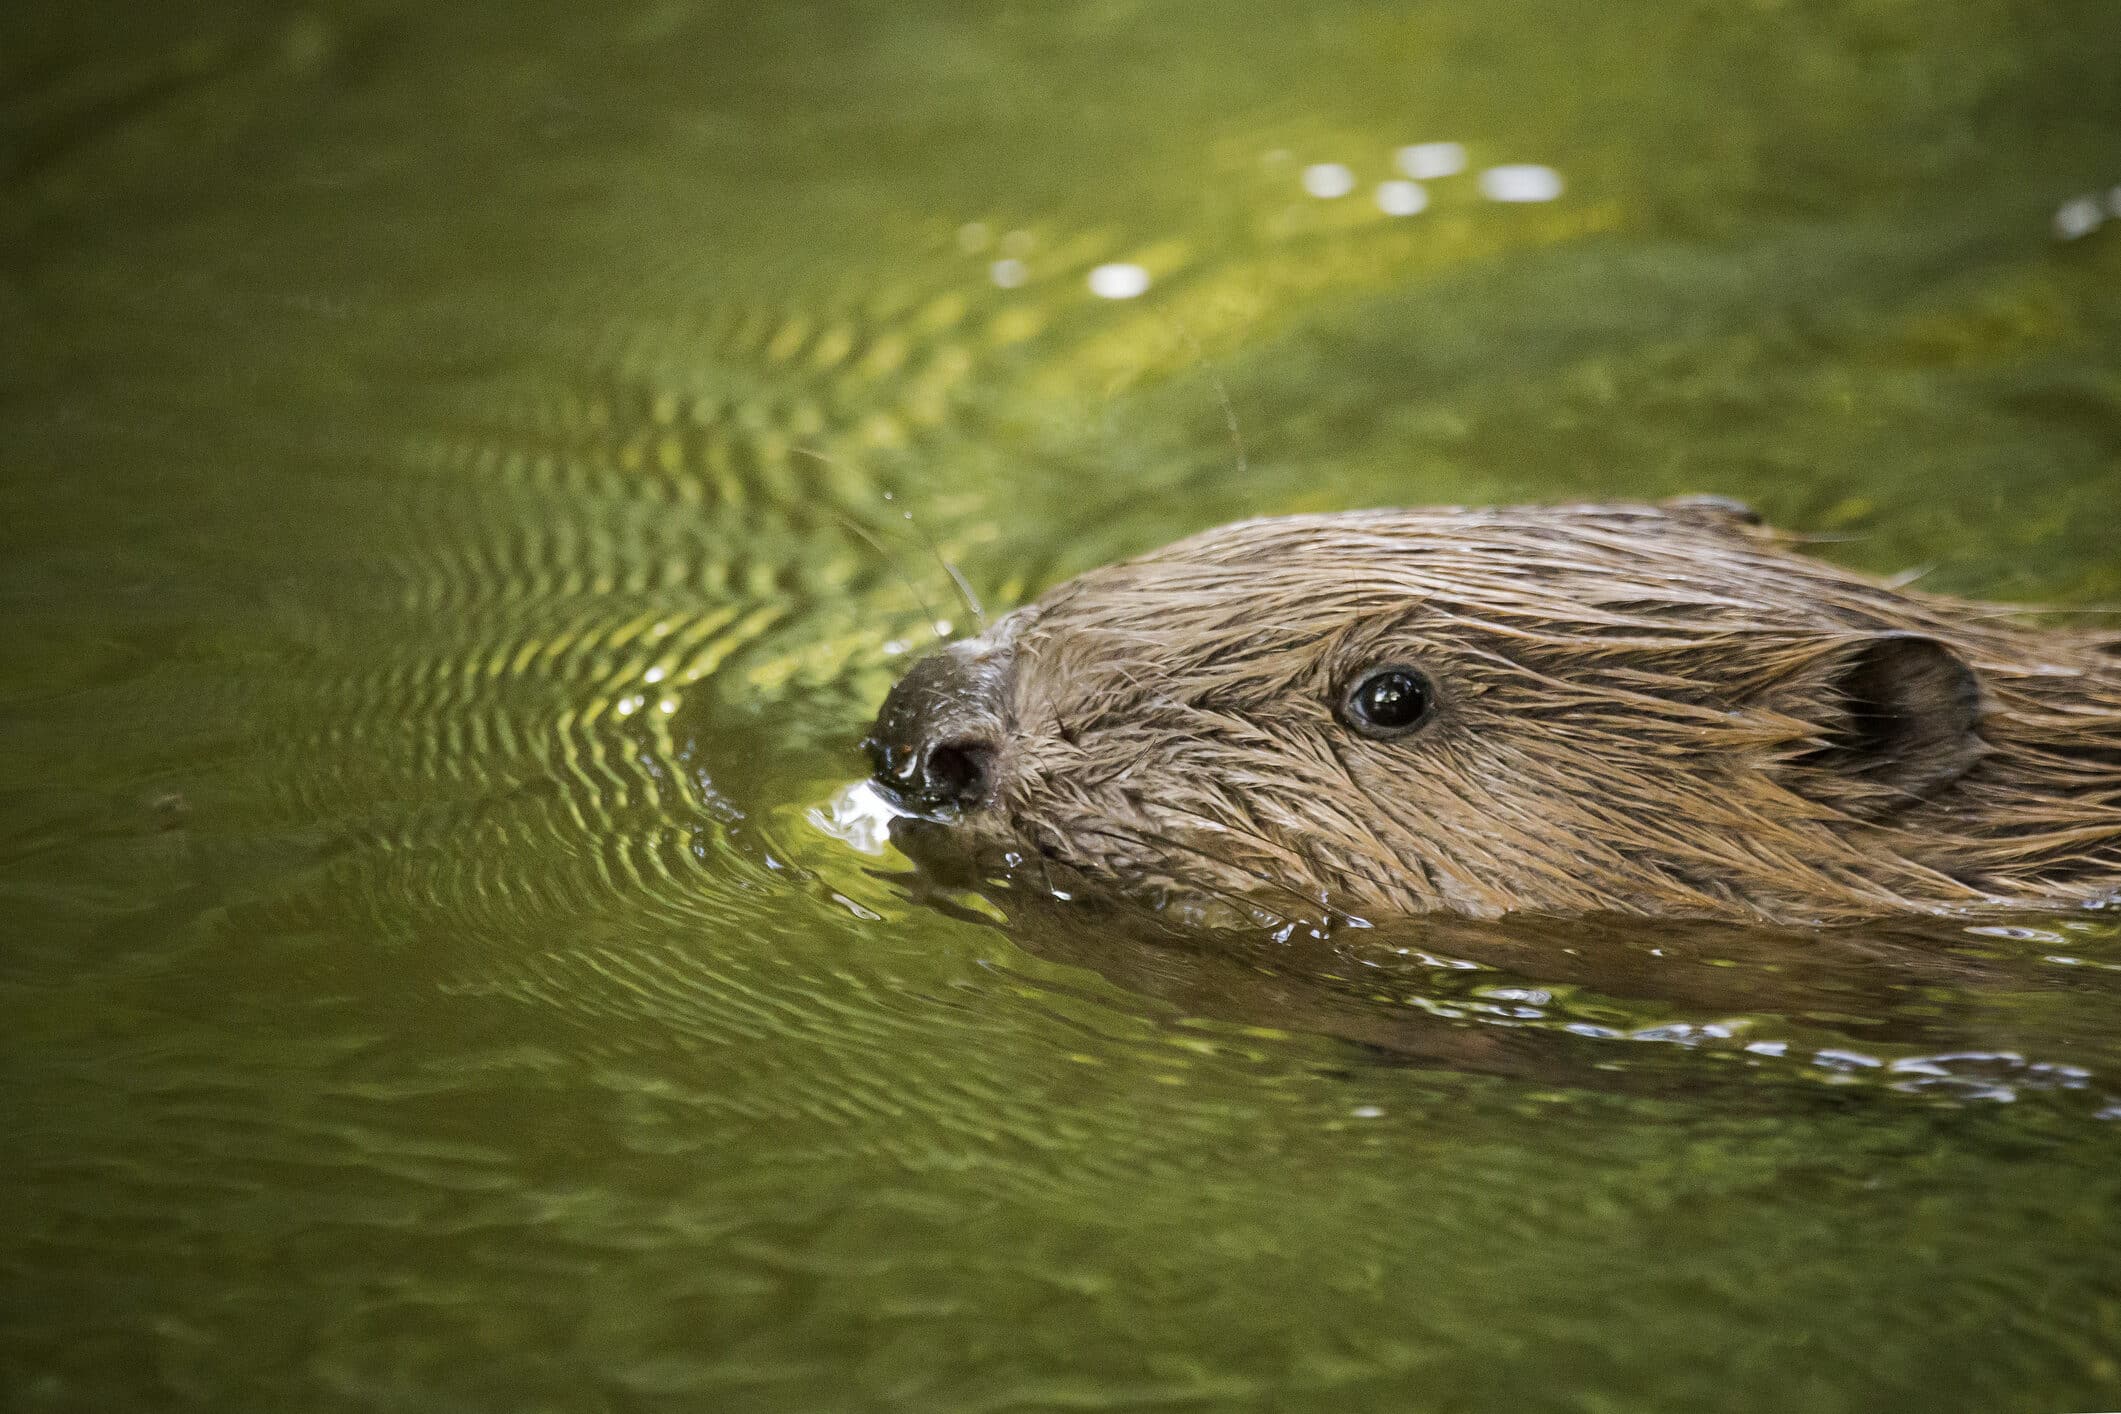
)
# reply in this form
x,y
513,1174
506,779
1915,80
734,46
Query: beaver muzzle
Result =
x,y
936,741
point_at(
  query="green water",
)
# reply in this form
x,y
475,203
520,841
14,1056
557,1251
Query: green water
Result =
x,y
427,635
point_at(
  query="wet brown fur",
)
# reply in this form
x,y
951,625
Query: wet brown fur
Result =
x,y
1640,710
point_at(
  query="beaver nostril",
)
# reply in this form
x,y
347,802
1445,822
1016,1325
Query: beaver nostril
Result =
x,y
930,776
954,772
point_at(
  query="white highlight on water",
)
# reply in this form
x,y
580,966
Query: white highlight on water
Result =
x,y
1426,161
1118,281
1328,180
2078,217
1402,198
858,815
1520,181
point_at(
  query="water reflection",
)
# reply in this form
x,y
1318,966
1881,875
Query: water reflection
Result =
x,y
1398,198
1523,181
1915,1008
1328,180
2081,215
1426,161
1118,280
1016,261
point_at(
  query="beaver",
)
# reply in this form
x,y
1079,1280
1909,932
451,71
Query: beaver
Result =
x,y
1652,710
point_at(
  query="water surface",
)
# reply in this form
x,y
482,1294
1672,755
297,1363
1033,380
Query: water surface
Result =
x,y
428,445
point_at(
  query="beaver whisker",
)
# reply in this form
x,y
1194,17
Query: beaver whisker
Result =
x,y
964,590
935,622
1237,438
2007,612
1222,391
1907,578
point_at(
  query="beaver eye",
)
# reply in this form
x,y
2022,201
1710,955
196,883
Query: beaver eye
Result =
x,y
1388,701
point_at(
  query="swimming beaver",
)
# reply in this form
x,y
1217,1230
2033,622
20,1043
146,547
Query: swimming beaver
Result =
x,y
1633,709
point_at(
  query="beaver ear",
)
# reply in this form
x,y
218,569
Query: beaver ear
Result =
x,y
1899,717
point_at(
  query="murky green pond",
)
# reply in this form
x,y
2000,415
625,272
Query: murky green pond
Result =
x,y
430,619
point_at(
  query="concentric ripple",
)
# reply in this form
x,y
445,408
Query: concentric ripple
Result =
x,y
590,583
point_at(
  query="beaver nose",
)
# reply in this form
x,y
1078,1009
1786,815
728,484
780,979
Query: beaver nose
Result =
x,y
934,775
936,740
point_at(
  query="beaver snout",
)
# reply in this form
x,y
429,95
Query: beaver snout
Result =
x,y
937,740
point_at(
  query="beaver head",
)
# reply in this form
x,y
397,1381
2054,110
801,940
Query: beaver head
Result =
x,y
1653,710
